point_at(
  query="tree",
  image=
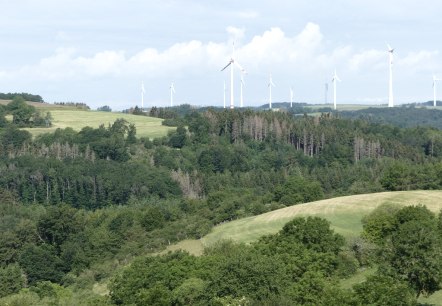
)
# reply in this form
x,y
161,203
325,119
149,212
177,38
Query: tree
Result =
x,y
410,246
415,256
11,279
21,111
380,223
312,232
13,137
41,263
384,290
178,138
298,190
104,108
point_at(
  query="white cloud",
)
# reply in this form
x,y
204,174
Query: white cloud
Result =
x,y
420,60
372,59
306,53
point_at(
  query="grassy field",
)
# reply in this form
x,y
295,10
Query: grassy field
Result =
x,y
344,213
77,119
67,116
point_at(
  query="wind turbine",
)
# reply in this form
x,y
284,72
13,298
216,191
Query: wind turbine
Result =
x,y
231,63
143,91
390,87
242,85
325,93
270,85
224,94
434,89
172,91
334,79
291,96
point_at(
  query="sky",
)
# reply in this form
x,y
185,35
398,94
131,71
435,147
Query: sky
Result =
x,y
99,52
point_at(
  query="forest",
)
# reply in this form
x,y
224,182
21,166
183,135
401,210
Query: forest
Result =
x,y
82,207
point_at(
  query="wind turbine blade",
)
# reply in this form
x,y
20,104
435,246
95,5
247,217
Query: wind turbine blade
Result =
x,y
230,63
239,66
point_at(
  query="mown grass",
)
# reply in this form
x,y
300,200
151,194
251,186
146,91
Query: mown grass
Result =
x,y
68,116
344,213
78,119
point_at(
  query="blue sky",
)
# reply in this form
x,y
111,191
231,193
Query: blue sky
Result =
x,y
99,52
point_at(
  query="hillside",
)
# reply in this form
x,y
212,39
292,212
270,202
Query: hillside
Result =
x,y
68,116
344,213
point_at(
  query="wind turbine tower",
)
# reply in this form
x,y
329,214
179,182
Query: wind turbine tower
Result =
x,y
242,85
334,80
224,94
390,87
172,91
270,85
434,89
143,91
326,93
291,97
231,63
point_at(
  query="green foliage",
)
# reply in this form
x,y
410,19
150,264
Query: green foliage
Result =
x,y
384,290
410,245
314,289
41,263
380,223
11,280
298,190
58,224
313,233
178,138
104,108
13,138
152,277
22,112
416,257
23,95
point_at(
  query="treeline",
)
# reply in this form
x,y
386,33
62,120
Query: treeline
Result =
x,y
80,105
406,116
24,95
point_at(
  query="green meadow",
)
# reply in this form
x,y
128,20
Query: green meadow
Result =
x,y
67,116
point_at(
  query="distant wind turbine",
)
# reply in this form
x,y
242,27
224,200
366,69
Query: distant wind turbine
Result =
x,y
242,85
270,85
326,93
143,91
390,87
434,89
291,96
172,91
231,63
334,79
224,94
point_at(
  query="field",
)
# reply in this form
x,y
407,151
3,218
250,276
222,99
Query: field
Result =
x,y
65,116
344,213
